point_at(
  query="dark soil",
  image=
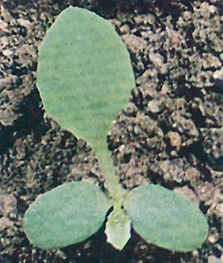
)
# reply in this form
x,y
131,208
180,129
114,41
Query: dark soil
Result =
x,y
170,133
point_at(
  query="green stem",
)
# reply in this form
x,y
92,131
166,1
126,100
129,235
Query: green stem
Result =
x,y
116,191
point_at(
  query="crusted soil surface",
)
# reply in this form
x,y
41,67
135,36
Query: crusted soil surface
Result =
x,y
170,132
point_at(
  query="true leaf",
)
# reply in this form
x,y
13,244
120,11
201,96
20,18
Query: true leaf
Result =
x,y
84,74
68,214
165,218
118,228
85,77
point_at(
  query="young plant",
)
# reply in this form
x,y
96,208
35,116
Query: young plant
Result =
x,y
84,77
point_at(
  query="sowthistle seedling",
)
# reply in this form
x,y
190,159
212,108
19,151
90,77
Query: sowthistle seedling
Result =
x,y
84,77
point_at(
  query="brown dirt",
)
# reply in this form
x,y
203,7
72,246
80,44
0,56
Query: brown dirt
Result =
x,y
169,133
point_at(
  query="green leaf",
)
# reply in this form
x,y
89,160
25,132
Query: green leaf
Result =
x,y
84,74
68,214
165,218
118,228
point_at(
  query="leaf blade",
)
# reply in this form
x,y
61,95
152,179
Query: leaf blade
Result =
x,y
118,227
68,214
85,64
165,218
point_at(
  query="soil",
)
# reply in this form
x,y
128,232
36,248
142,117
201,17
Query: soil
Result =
x,y
170,132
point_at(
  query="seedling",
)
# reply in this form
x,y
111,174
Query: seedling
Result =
x,y
84,77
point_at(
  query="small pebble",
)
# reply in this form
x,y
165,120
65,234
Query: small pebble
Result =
x,y
213,259
7,52
175,139
154,106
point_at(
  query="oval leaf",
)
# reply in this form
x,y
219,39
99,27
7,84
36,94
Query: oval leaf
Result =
x,y
68,214
165,218
84,74
118,228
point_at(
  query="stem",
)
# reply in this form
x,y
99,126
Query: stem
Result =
x,y
118,226
116,191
